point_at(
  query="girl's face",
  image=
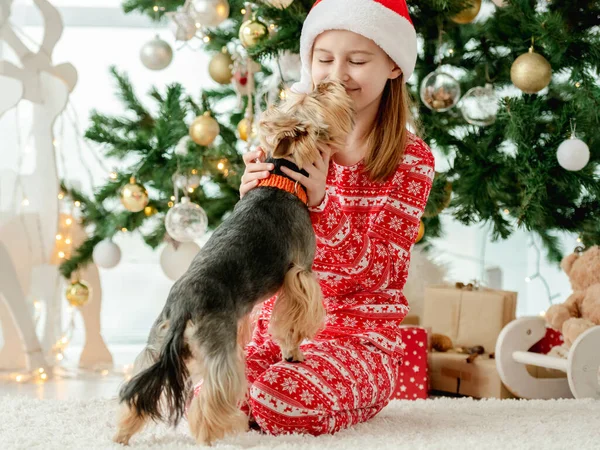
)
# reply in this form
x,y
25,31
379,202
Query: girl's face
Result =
x,y
357,61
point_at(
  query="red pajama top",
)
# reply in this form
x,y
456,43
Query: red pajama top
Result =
x,y
365,231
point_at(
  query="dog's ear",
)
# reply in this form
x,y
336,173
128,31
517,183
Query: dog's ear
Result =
x,y
278,131
298,141
284,135
304,149
286,131
283,148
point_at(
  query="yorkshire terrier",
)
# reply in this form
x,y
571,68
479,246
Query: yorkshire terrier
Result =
x,y
266,246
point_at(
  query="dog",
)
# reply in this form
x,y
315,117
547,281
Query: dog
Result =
x,y
266,246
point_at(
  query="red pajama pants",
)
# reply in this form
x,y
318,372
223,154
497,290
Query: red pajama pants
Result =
x,y
343,381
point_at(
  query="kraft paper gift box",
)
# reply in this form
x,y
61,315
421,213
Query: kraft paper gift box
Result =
x,y
411,320
413,379
469,318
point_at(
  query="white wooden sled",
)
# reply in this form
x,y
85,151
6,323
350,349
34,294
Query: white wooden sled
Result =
x,y
582,366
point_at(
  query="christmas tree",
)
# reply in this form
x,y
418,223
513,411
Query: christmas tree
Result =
x,y
522,141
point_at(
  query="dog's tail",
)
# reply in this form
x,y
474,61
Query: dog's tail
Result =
x,y
159,392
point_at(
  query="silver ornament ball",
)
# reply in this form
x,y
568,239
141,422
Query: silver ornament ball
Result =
x,y
186,221
156,54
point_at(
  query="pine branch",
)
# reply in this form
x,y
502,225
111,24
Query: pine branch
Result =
x,y
126,94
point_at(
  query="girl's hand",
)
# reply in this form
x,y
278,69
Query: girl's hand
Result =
x,y
317,176
256,170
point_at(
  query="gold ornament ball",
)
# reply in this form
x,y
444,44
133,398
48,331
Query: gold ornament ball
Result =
x,y
204,129
468,15
421,231
243,128
220,68
78,293
531,72
134,196
252,32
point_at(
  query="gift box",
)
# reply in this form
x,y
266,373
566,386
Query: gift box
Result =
x,y
469,317
411,320
413,379
451,373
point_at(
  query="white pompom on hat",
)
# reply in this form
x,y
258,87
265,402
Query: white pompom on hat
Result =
x,y
385,22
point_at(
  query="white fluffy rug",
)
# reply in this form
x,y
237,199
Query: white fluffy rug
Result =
x,y
444,423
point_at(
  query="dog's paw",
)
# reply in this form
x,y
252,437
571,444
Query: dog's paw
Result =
x,y
121,438
294,356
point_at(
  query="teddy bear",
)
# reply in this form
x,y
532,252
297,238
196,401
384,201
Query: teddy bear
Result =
x,y
582,309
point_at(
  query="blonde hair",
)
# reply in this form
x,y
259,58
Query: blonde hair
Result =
x,y
388,138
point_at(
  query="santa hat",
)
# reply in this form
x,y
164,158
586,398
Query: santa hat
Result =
x,y
386,22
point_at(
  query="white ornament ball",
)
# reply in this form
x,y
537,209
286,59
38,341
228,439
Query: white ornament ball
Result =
x,y
500,3
182,146
175,261
211,13
106,254
156,54
573,154
186,221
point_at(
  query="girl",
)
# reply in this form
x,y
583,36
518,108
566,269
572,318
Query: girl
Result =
x,y
365,202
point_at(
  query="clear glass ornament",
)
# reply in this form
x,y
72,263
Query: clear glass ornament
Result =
x,y
440,91
186,221
479,106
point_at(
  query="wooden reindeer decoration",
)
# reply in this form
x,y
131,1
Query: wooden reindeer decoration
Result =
x,y
28,236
